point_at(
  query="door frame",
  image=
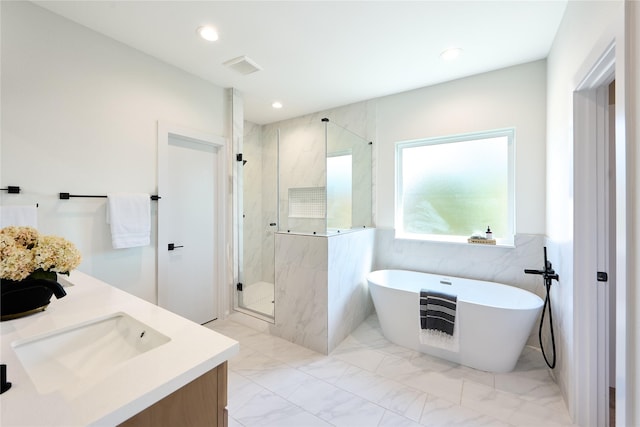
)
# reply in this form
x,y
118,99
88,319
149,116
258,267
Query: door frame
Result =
x,y
165,129
591,309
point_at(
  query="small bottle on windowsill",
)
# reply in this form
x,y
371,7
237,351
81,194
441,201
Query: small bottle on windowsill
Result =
x,y
489,234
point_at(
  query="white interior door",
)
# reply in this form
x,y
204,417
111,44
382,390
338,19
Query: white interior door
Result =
x,y
188,233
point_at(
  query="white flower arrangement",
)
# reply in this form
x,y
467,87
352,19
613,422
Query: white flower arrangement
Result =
x,y
24,251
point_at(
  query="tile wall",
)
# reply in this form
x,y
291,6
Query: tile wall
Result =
x,y
321,289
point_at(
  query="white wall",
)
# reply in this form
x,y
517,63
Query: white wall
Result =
x,y
79,115
586,30
511,97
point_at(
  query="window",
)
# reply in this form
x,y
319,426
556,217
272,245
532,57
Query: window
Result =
x,y
339,190
452,187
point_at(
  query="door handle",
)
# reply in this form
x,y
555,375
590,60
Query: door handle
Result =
x,y
173,246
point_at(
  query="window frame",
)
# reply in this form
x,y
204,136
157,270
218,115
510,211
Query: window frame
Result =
x,y
509,133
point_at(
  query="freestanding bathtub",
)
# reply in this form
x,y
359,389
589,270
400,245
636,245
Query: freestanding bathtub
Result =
x,y
493,320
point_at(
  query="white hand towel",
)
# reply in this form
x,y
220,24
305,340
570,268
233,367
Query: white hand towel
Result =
x,y
19,215
129,215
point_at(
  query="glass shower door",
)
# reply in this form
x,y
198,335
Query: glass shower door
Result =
x,y
258,189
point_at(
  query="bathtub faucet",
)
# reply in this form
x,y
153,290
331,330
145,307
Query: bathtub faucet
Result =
x,y
548,273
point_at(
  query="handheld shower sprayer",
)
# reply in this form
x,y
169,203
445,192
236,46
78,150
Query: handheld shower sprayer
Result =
x,y
548,274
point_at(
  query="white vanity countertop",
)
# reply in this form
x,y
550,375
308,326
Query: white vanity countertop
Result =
x,y
122,391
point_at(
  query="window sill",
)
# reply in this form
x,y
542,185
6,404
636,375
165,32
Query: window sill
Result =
x,y
453,240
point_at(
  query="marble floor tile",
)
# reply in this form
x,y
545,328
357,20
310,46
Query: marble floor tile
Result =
x,y
368,381
328,369
395,367
268,344
268,409
234,423
391,419
233,330
364,358
440,412
481,377
437,384
250,361
397,397
413,373
534,414
286,352
527,388
489,401
337,406
282,380
240,391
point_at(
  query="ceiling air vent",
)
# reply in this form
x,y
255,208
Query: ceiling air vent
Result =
x,y
242,65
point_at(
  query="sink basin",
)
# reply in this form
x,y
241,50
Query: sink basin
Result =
x,y
60,357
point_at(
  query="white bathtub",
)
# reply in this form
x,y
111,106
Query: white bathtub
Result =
x,y
493,320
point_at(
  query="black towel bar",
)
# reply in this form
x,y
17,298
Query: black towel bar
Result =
x,y
11,189
66,196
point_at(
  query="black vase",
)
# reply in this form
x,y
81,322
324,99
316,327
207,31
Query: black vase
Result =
x,y
28,296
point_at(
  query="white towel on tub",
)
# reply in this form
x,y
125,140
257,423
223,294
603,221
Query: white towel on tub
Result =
x,y
438,326
129,216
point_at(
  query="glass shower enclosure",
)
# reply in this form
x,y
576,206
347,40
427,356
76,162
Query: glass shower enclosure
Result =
x,y
257,181
296,177
324,179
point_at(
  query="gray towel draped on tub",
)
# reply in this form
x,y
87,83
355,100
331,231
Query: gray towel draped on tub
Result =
x,y
438,311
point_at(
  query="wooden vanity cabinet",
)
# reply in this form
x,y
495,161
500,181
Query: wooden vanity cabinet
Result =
x,y
202,402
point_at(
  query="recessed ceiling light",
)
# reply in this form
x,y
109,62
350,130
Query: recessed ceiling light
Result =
x,y
277,104
208,33
451,53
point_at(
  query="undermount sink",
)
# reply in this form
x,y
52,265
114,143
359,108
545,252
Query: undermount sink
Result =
x,y
60,357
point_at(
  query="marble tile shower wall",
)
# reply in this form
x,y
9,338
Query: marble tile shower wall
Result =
x,y
302,164
495,264
350,260
269,194
302,155
252,226
301,297
321,289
